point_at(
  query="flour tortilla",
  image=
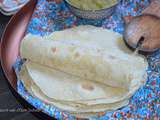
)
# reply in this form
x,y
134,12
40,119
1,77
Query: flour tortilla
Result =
x,y
81,70
35,83
95,54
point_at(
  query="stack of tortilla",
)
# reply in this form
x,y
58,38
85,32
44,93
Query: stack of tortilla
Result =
x,y
82,70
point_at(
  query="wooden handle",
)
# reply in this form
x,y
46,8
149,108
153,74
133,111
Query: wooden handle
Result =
x,y
153,8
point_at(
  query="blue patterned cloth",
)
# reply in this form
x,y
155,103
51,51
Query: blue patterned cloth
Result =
x,y
144,104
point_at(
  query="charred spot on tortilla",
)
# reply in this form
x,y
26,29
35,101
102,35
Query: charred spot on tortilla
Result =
x,y
87,86
54,49
76,55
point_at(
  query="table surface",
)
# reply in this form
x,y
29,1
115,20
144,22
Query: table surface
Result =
x,y
7,101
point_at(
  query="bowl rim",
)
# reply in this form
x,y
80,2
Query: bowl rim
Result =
x,y
98,10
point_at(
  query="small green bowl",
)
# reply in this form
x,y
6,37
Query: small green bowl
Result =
x,y
91,14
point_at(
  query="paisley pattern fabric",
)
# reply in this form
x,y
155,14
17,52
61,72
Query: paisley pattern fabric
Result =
x,y
53,15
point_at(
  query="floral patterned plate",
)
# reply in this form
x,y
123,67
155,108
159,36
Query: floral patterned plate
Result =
x,y
53,15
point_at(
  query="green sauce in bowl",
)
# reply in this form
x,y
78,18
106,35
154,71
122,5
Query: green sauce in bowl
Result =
x,y
93,4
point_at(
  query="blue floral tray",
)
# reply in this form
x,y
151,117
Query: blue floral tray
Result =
x,y
145,104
